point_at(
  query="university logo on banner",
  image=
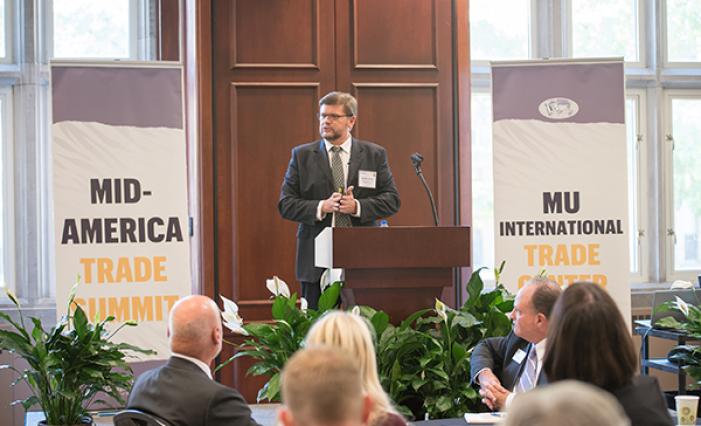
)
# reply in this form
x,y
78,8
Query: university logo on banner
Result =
x,y
560,180
120,195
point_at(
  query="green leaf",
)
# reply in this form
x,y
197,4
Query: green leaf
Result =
x,y
474,287
279,308
270,390
80,321
30,402
329,298
464,320
444,403
413,317
380,321
669,322
459,352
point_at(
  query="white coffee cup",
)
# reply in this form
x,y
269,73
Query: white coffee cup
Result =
x,y
686,409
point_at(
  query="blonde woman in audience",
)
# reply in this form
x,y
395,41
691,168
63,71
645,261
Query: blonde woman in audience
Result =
x,y
566,403
351,334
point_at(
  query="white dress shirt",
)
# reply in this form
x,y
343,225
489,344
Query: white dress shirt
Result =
x,y
540,353
204,367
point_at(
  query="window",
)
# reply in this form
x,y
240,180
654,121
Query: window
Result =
x,y
605,29
682,31
117,29
661,44
6,31
684,188
92,29
75,29
499,32
635,130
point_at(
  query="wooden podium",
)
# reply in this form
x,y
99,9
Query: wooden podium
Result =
x,y
396,269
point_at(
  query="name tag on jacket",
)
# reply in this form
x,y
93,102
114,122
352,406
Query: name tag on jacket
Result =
x,y
367,179
519,356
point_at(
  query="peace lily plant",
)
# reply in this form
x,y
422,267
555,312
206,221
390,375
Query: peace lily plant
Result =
x,y
686,356
272,343
423,362
69,365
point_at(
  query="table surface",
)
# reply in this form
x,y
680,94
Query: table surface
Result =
x,y
265,414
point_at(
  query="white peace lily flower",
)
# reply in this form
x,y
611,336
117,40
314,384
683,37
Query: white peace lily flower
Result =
x,y
324,281
355,310
231,318
277,286
440,310
303,304
682,306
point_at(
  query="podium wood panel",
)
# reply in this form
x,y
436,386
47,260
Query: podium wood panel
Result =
x,y
446,246
399,270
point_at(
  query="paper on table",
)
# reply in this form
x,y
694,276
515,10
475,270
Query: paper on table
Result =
x,y
484,418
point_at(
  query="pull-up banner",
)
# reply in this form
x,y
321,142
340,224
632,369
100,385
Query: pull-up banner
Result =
x,y
560,180
120,195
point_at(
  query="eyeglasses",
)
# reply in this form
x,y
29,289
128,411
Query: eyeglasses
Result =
x,y
331,117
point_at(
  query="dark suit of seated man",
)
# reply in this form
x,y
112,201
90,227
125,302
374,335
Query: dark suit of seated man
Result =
x,y
182,392
504,366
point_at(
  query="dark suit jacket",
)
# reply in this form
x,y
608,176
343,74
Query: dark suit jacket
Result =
x,y
497,354
308,180
643,402
182,394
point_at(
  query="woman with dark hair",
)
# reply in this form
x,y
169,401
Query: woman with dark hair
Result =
x,y
588,340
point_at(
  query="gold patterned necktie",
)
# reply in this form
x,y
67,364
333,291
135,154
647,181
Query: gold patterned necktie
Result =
x,y
339,181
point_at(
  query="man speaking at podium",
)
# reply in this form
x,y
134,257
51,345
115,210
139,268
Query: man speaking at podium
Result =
x,y
335,181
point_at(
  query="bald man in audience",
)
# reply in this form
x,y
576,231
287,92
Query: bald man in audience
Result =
x,y
182,391
322,386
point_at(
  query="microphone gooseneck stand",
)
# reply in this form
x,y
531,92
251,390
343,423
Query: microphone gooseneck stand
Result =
x,y
416,160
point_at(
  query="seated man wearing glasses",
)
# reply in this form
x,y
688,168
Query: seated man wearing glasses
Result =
x,y
336,181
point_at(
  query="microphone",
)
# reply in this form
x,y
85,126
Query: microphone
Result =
x,y
416,160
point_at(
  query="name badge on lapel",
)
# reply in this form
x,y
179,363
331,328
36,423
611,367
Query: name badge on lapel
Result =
x,y
367,179
519,356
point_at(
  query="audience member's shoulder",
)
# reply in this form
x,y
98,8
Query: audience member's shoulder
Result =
x,y
640,384
390,419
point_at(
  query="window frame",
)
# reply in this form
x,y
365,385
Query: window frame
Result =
x,y
567,33
685,66
642,186
7,191
669,231
487,275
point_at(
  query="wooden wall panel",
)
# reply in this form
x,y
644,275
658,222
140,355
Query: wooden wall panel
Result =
x,y
378,43
268,119
275,33
404,119
431,117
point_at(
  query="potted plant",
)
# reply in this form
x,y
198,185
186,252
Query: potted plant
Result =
x,y
70,365
424,362
272,343
688,357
